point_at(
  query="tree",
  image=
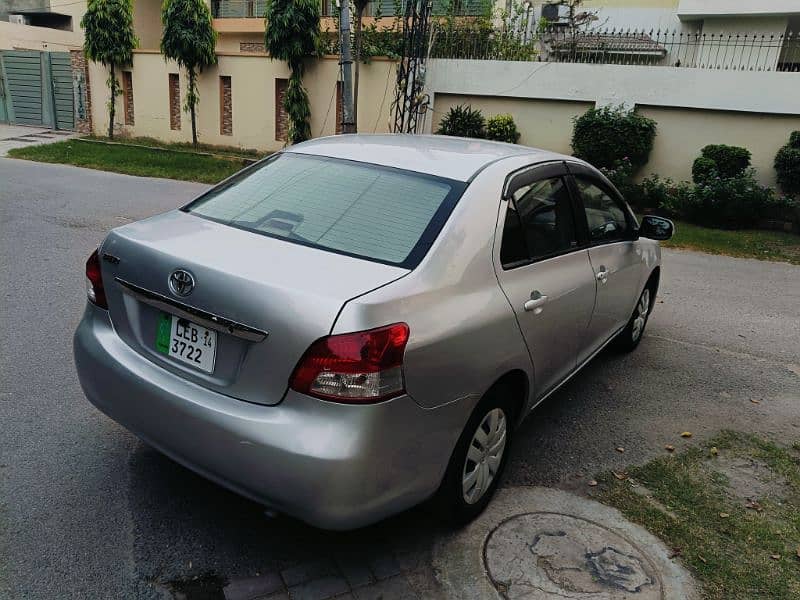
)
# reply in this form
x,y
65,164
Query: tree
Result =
x,y
190,40
292,33
109,40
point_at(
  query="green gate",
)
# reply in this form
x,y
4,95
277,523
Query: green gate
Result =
x,y
63,95
38,88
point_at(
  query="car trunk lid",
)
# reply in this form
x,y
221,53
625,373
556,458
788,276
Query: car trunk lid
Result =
x,y
268,299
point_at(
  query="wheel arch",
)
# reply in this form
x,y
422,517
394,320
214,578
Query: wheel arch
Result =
x,y
516,383
653,282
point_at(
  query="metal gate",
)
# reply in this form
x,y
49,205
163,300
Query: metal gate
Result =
x,y
63,96
38,88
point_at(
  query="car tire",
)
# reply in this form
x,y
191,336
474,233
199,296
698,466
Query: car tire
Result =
x,y
629,338
457,503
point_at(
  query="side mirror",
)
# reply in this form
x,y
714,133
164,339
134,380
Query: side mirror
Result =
x,y
656,228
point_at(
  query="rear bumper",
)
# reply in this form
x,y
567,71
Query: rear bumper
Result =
x,y
334,466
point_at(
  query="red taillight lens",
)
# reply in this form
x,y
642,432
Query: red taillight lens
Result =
x,y
354,368
94,282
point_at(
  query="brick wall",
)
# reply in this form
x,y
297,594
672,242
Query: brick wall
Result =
x,y
252,47
83,99
127,95
339,113
174,101
225,106
281,117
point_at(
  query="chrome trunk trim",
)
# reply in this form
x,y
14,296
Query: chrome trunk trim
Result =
x,y
185,311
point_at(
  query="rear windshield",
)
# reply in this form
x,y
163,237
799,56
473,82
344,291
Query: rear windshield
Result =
x,y
377,213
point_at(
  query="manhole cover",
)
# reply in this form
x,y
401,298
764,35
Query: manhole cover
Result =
x,y
521,548
538,554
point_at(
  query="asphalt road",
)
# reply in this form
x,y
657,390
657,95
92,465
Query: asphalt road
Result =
x,y
88,511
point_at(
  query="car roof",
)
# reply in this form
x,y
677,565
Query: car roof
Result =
x,y
439,155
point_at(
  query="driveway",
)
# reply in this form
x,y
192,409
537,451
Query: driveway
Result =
x,y
86,510
20,136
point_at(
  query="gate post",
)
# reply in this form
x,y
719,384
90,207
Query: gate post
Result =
x,y
82,91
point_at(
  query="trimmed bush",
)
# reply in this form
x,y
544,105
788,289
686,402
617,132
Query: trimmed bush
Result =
x,y
703,169
730,203
463,121
621,175
502,128
729,161
787,165
606,136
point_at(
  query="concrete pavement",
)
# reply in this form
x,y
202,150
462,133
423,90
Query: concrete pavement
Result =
x,y
86,510
21,136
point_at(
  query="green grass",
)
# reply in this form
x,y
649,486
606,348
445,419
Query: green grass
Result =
x,y
146,162
746,554
184,146
763,245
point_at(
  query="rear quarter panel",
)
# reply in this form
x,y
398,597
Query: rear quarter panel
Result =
x,y
464,335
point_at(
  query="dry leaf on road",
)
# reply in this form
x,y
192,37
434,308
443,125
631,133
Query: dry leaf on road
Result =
x,y
669,448
593,483
686,434
620,449
724,515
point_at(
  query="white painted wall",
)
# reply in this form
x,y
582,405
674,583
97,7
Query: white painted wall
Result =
x,y
619,84
700,9
693,107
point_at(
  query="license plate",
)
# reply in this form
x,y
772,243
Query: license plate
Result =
x,y
187,342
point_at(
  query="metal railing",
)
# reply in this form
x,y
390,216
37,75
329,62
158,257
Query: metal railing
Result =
x,y
723,51
244,9
238,9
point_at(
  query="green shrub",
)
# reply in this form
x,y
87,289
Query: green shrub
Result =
x,y
787,165
502,128
605,136
730,203
703,169
729,161
673,199
621,175
463,121
655,193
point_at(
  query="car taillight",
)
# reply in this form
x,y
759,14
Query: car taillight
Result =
x,y
94,282
354,368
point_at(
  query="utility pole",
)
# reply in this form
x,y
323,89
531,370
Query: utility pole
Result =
x,y
348,125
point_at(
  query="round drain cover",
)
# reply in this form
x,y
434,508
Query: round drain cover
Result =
x,y
544,554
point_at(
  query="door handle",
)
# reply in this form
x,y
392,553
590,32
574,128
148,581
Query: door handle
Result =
x,y
602,275
536,301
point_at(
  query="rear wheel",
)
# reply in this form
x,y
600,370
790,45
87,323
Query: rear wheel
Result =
x,y
478,460
630,337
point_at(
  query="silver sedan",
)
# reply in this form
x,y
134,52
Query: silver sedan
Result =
x,y
357,324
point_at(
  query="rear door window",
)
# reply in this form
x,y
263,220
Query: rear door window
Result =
x,y
539,222
373,212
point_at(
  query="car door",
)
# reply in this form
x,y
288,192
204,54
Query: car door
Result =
x,y
614,254
544,270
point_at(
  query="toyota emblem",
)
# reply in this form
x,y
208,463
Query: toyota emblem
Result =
x,y
181,282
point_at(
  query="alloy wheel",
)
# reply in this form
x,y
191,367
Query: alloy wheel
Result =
x,y
640,318
484,456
